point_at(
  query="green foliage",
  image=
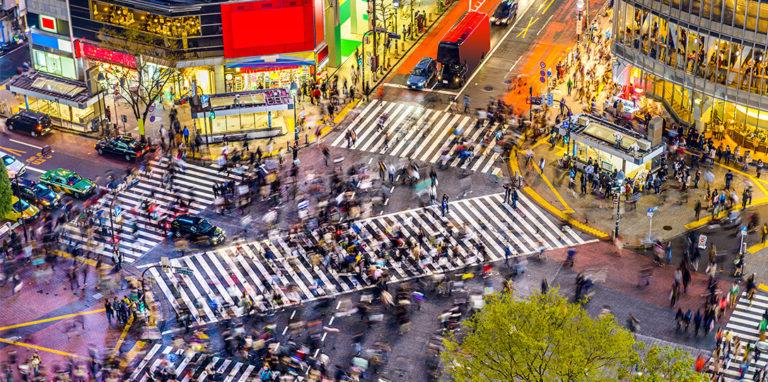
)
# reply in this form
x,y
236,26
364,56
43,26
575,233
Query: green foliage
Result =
x,y
547,338
665,363
5,191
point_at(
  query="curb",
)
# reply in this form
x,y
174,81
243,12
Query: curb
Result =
x,y
538,199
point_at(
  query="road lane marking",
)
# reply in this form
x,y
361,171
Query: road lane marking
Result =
x,y
547,7
524,32
399,86
545,24
25,144
35,169
488,56
14,152
123,335
513,65
50,319
43,349
67,255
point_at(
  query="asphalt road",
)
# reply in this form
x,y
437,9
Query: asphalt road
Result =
x,y
69,151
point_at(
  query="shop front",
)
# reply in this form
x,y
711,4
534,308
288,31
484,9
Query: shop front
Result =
x,y
728,122
68,102
266,72
611,146
241,116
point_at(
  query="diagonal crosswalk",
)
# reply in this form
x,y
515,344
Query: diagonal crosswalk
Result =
x,y
193,185
285,266
743,323
413,131
191,366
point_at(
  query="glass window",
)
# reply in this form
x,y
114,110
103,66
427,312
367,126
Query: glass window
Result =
x,y
54,64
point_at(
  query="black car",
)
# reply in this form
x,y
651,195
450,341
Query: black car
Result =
x,y
505,13
37,193
197,229
123,147
28,121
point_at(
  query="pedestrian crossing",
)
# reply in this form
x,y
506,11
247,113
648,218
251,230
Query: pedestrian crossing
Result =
x,y
415,132
193,185
191,366
743,323
291,269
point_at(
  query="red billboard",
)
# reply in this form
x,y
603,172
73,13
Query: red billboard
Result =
x,y
268,27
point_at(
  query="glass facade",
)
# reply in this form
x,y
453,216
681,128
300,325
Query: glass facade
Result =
x,y
703,59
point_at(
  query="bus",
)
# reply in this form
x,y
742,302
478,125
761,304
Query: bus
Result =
x,y
463,47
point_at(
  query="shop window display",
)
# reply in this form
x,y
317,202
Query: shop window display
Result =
x,y
173,27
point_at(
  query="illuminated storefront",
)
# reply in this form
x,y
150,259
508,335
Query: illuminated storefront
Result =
x,y
56,88
67,102
611,146
705,63
245,115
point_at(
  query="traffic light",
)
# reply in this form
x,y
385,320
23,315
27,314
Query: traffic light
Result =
x,y
212,114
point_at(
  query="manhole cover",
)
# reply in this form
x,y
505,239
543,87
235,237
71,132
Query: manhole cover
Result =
x,y
667,228
488,88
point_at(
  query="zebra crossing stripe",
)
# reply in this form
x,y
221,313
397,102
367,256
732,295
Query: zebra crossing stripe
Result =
x,y
743,323
371,124
363,113
244,267
198,363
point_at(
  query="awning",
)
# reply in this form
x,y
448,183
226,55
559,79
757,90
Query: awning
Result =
x,y
51,88
280,61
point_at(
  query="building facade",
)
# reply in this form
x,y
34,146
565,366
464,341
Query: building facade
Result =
x,y
218,47
705,60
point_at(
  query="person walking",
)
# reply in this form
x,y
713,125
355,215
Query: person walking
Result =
x,y
507,192
185,134
697,209
444,209
764,233
514,198
109,311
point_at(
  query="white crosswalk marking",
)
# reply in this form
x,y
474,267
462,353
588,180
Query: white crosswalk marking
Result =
x,y
285,266
412,131
743,323
190,366
193,185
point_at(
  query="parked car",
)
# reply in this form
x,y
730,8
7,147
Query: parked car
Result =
x,y
505,13
13,166
37,193
31,122
423,75
197,229
69,182
123,146
21,211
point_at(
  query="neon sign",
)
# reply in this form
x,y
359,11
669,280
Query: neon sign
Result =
x,y
94,52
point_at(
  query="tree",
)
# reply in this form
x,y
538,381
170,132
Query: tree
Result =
x,y
665,363
142,86
5,191
541,338
547,338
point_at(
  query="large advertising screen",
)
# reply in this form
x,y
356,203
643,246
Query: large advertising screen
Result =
x,y
267,27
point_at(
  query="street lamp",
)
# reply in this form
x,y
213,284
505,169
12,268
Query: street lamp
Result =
x,y
294,91
618,184
580,10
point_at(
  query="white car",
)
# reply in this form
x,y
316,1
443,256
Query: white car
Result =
x,y
14,166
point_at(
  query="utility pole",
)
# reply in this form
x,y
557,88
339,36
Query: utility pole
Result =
x,y
375,40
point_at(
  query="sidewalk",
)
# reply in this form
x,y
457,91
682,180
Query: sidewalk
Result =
x,y
675,209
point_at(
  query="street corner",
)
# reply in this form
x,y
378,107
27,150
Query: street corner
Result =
x,y
621,269
57,339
